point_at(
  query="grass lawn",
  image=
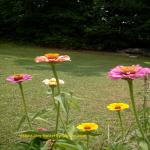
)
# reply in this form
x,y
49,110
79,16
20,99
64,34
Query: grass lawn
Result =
x,y
85,75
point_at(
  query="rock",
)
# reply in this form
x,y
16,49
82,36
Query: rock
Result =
x,y
133,56
134,51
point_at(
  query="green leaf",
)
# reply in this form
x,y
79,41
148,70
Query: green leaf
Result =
x,y
43,120
21,122
70,94
41,112
143,145
67,93
75,105
49,92
20,146
35,144
37,134
47,146
65,102
89,133
71,130
71,100
119,147
147,63
61,99
67,144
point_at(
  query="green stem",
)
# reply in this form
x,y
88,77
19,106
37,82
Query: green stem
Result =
x,y
145,103
56,76
58,115
24,104
108,135
68,112
57,119
64,126
121,125
88,141
67,118
53,96
58,106
130,83
58,88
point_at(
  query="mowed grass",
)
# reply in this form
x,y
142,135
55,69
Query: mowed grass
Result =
x,y
85,76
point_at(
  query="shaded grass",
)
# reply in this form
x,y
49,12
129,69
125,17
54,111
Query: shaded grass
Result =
x,y
85,75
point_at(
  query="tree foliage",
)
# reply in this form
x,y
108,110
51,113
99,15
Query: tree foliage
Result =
x,y
94,24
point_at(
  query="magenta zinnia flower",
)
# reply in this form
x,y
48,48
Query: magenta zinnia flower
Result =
x,y
17,78
128,72
52,57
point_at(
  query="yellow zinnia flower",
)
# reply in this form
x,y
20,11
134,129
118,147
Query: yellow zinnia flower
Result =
x,y
87,126
117,106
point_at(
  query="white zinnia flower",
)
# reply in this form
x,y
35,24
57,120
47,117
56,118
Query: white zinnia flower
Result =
x,y
52,82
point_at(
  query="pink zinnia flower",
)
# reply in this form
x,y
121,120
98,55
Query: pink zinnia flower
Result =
x,y
52,57
42,129
17,78
128,72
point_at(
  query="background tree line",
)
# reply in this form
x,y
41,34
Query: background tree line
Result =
x,y
91,24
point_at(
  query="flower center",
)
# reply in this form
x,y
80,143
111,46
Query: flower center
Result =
x,y
52,55
128,69
87,127
118,107
18,77
52,83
